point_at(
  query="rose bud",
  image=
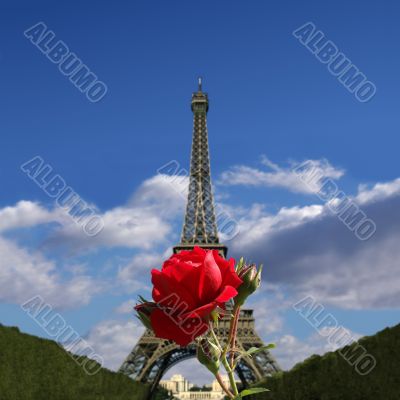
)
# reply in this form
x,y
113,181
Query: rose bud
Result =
x,y
209,354
251,281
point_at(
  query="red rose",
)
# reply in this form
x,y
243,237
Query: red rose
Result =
x,y
189,287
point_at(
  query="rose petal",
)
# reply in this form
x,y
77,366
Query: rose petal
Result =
x,y
187,275
227,293
189,278
162,286
210,279
166,288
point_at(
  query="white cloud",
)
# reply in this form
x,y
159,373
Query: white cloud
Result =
x,y
280,177
132,227
378,192
24,214
145,221
25,274
268,303
166,193
257,225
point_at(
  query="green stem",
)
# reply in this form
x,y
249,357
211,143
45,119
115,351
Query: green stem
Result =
x,y
231,376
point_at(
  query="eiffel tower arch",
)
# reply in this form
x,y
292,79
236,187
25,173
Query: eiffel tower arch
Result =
x,y
151,358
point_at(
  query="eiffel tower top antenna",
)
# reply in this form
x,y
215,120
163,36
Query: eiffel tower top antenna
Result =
x,y
200,226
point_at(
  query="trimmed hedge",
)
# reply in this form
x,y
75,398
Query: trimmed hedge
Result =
x,y
32,368
330,377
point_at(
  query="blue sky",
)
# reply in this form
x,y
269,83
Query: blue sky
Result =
x,y
270,99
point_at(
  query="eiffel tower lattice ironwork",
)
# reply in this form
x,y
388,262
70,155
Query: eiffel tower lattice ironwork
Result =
x,y
152,357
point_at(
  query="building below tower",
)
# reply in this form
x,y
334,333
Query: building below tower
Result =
x,y
182,389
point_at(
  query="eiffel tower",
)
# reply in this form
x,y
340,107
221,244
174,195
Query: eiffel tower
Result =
x,y
152,357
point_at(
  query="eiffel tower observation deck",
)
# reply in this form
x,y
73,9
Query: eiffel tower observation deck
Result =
x,y
152,357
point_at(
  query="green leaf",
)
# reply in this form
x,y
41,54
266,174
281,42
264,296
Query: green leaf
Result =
x,y
248,392
254,350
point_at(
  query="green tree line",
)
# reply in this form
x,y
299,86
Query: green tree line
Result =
x,y
32,368
344,374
